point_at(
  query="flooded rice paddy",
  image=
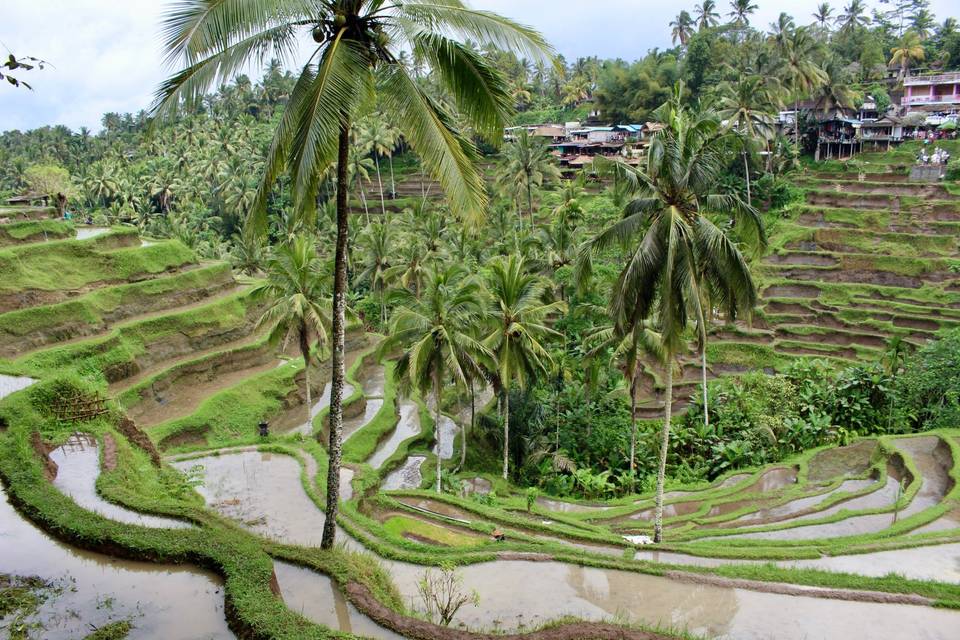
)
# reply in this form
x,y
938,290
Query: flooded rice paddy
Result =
x,y
407,476
408,426
12,384
162,601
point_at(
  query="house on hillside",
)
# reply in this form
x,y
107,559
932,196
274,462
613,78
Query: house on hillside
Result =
x,y
932,92
31,200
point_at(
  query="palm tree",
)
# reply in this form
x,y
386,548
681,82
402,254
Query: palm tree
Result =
x,y
740,11
853,17
681,28
835,91
823,15
297,302
922,23
748,107
518,317
707,15
908,50
376,245
377,138
628,351
801,71
528,164
353,66
436,333
679,253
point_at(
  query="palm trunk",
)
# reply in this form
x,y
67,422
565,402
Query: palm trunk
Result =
x,y
746,168
506,433
703,377
383,204
305,352
664,443
436,422
530,201
363,199
463,433
334,450
796,126
393,181
633,420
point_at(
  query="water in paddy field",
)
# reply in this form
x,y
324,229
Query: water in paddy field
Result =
x,y
85,233
12,384
370,411
314,596
321,403
78,466
448,430
407,476
407,427
163,601
517,595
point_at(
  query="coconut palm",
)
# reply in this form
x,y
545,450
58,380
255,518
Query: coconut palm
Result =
x,y
681,28
748,107
377,138
907,51
853,17
354,64
296,295
922,23
801,71
835,91
528,164
376,245
518,318
823,15
707,15
628,351
740,11
436,333
678,253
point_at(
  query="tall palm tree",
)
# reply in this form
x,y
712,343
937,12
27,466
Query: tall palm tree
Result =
x,y
354,65
376,245
518,319
681,28
707,15
678,251
853,17
436,332
528,164
628,351
823,15
748,108
801,71
295,292
907,51
922,23
378,139
740,11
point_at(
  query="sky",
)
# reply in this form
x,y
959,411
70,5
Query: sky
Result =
x,y
106,54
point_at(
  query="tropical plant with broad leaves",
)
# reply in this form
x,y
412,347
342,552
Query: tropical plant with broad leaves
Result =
x,y
678,256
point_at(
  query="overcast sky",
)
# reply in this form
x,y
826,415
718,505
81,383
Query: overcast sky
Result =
x,y
106,53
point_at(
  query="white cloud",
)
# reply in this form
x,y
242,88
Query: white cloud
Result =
x,y
107,53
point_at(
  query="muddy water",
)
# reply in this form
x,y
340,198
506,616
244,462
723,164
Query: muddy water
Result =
x,y
512,597
448,432
263,492
163,601
12,384
374,381
323,402
569,507
941,563
346,483
85,233
796,506
370,411
314,596
512,593
78,467
407,476
934,462
407,427
439,508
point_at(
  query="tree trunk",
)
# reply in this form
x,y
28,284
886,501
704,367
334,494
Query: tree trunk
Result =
x,y
664,443
334,450
383,204
746,168
393,181
438,432
463,432
363,199
796,125
633,420
703,376
530,201
305,352
506,432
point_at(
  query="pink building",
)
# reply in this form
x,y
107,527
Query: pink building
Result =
x,y
942,89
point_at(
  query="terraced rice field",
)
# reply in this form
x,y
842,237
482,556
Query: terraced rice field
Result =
x,y
802,549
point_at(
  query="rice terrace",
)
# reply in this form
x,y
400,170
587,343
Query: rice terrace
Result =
x,y
408,320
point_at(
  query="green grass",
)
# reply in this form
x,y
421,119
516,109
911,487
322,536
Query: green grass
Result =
x,y
71,264
364,443
35,231
400,526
